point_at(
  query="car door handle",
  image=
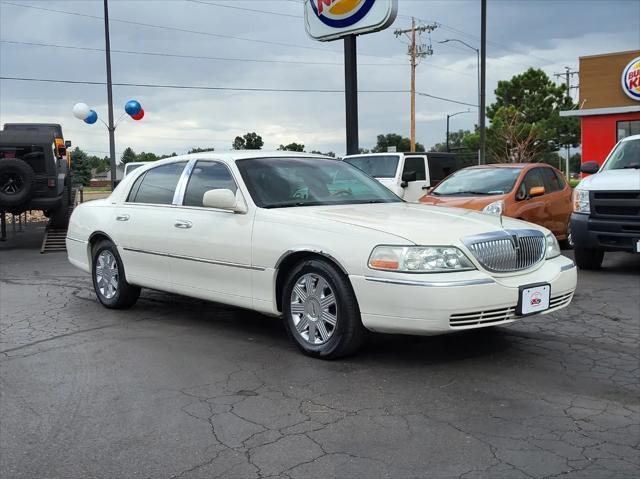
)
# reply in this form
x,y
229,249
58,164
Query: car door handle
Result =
x,y
184,224
122,218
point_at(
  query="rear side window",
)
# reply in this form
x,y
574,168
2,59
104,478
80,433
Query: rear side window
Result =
x,y
551,181
415,164
207,175
158,185
378,166
440,167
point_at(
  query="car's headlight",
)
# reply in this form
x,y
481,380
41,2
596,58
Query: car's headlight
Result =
x,y
494,208
553,248
581,201
419,259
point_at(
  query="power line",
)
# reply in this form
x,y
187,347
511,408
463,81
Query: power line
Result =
x,y
245,9
217,88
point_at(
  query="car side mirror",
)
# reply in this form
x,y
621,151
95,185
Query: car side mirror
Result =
x,y
536,191
409,176
222,199
589,167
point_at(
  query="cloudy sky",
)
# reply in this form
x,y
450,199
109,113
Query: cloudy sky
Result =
x,y
166,42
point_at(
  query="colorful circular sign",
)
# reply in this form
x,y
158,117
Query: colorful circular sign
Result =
x,y
631,79
341,13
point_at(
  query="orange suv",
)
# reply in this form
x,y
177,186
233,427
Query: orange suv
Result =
x,y
533,192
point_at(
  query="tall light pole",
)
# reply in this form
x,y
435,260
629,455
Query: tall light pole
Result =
x,y
477,50
483,80
449,116
110,126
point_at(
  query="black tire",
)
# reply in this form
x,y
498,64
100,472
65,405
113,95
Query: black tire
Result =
x,y
346,335
16,182
125,295
59,218
567,243
588,258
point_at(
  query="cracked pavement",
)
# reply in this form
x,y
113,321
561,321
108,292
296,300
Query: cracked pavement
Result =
x,y
181,388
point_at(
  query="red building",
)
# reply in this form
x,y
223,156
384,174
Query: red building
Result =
x,y
609,105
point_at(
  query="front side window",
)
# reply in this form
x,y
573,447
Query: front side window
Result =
x,y
378,166
157,185
532,179
285,182
479,181
207,175
625,155
551,182
415,165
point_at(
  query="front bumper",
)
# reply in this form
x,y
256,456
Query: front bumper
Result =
x,y
591,232
444,303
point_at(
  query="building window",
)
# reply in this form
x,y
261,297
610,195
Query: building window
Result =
x,y
627,128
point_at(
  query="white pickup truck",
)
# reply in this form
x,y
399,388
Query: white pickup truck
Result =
x,y
606,206
408,175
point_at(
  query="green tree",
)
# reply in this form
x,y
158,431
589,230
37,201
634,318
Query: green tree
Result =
x,y
249,141
393,139
162,157
456,141
128,156
200,150
291,147
511,139
332,154
80,167
143,156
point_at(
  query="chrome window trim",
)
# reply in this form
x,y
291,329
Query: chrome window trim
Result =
x,y
196,259
181,187
431,284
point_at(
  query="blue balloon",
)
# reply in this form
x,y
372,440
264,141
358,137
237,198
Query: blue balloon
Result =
x,y
92,118
132,107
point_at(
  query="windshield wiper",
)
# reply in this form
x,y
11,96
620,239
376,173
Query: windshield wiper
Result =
x,y
466,193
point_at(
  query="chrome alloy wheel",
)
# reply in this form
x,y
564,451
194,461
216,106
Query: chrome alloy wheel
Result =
x,y
314,310
107,274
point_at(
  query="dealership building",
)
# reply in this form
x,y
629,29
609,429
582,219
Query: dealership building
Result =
x,y
609,105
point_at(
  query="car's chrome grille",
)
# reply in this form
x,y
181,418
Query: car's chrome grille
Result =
x,y
508,250
501,315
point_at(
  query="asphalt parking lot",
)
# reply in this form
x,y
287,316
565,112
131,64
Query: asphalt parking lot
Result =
x,y
178,388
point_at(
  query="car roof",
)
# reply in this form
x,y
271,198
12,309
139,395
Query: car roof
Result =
x,y
631,138
527,166
233,156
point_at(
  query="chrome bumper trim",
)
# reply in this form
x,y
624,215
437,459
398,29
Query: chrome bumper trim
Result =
x,y
431,284
76,240
197,260
567,267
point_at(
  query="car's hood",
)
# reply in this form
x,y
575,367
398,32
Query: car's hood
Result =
x,y
471,202
627,179
420,224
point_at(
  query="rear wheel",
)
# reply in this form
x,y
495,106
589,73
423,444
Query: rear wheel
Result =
x,y
109,281
567,243
588,258
321,312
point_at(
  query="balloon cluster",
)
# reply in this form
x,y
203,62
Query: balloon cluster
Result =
x,y
82,112
134,110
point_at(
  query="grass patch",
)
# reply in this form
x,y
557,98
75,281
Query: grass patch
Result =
x,y
97,189
573,183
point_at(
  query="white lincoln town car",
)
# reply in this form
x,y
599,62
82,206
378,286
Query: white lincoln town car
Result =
x,y
318,242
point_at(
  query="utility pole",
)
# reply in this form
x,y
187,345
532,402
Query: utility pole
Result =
x,y
483,81
351,94
110,126
568,73
415,51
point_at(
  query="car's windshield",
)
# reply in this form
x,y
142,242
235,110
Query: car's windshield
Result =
x,y
479,181
625,155
283,182
378,166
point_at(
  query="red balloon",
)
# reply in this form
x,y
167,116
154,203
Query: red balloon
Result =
x,y
139,115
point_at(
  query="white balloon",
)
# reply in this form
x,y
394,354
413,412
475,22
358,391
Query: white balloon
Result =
x,y
81,111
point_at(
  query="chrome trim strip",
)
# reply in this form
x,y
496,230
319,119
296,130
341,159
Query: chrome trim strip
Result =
x,y
76,240
198,260
431,284
567,267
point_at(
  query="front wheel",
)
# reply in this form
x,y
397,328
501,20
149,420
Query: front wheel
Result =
x,y
321,312
109,281
588,258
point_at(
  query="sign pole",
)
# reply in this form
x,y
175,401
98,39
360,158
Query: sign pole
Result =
x,y
351,93
110,126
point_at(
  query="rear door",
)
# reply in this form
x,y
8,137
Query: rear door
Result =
x,y
557,200
416,167
141,225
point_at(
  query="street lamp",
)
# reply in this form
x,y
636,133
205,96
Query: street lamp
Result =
x,y
480,112
449,116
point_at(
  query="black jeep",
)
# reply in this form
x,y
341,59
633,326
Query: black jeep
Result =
x,y
35,172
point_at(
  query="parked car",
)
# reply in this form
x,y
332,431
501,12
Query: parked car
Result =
x,y
533,192
35,172
272,233
408,175
606,205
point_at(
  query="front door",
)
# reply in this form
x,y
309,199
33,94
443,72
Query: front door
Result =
x,y
532,209
415,166
210,248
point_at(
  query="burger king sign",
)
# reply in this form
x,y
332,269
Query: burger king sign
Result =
x,y
327,20
631,79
